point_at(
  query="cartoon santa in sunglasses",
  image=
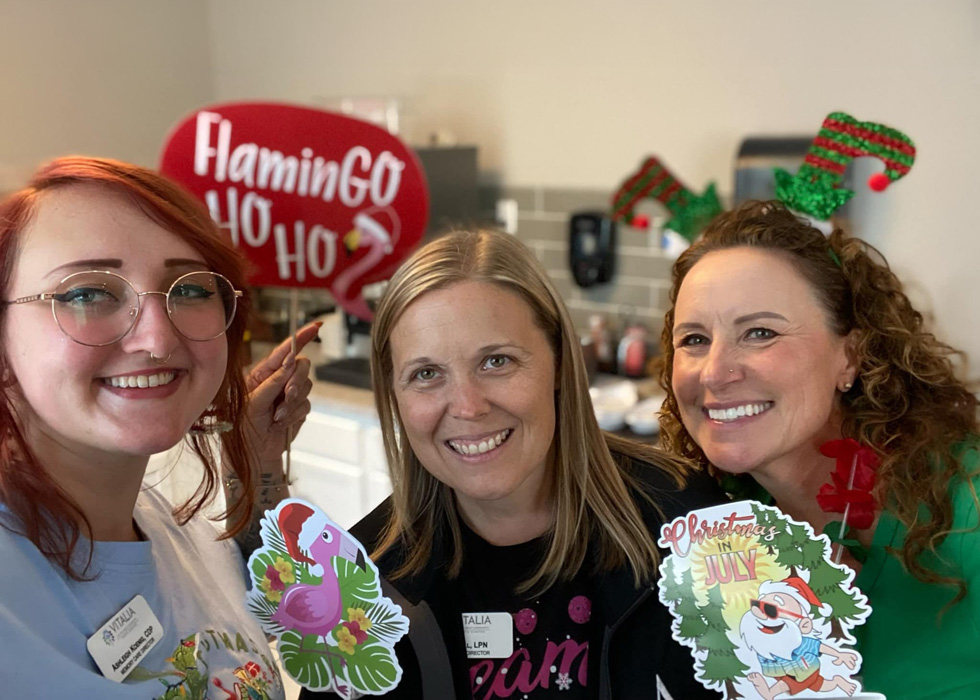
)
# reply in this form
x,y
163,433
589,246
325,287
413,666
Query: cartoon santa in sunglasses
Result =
x,y
776,628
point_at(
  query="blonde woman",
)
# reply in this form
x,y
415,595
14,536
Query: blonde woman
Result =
x,y
519,536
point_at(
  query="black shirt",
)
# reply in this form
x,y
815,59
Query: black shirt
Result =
x,y
552,632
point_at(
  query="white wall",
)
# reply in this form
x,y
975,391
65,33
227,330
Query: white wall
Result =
x,y
99,77
574,93
555,92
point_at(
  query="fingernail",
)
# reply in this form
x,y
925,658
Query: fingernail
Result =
x,y
318,324
288,362
279,414
291,393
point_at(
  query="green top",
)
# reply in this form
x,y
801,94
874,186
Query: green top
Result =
x,y
909,653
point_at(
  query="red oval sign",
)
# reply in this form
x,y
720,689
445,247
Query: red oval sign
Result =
x,y
313,198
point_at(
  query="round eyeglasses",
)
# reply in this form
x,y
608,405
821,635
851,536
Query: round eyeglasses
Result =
x,y
99,307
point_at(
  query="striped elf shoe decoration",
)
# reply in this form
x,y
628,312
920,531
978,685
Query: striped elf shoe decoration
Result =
x,y
816,189
690,213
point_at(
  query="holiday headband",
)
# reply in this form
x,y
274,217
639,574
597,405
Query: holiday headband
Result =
x,y
690,213
816,188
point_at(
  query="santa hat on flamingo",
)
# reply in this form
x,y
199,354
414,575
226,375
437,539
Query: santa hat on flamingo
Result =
x,y
381,222
300,525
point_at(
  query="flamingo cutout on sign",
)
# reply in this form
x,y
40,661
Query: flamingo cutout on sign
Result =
x,y
315,588
313,608
379,239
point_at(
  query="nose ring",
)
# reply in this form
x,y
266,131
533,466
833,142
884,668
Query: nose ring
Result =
x,y
161,360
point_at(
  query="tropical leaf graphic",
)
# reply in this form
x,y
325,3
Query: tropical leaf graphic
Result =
x,y
310,662
263,609
373,668
357,585
388,624
272,536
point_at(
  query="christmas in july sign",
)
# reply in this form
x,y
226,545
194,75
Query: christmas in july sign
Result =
x,y
764,610
313,198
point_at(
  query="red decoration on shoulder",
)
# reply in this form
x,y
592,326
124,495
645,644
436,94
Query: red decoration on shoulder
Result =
x,y
852,480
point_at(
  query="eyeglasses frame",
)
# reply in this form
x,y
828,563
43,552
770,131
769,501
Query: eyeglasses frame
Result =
x,y
755,603
51,296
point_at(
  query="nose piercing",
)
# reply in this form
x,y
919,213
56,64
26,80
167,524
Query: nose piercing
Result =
x,y
730,371
160,360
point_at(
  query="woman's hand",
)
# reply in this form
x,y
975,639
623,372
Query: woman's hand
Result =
x,y
278,402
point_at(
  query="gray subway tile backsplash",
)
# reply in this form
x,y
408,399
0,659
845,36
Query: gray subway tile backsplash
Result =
x,y
638,291
649,263
566,201
552,230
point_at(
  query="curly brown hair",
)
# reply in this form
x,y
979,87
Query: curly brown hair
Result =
x,y
906,403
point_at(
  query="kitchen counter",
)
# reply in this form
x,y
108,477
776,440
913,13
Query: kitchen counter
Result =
x,y
347,400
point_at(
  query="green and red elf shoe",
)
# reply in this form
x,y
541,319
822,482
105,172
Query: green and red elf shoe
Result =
x,y
816,188
690,213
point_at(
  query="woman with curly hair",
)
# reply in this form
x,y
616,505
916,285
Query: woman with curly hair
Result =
x,y
779,340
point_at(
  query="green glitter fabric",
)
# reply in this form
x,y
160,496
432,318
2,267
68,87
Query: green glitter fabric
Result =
x,y
816,188
690,212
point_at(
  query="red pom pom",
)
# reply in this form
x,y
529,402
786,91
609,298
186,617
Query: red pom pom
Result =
x,y
879,182
640,221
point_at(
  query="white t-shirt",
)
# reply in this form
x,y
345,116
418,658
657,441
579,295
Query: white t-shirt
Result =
x,y
195,585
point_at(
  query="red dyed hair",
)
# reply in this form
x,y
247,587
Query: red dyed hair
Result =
x,y
45,513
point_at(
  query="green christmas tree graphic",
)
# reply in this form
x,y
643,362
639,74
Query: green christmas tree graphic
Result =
x,y
798,551
790,540
721,665
826,580
768,519
692,624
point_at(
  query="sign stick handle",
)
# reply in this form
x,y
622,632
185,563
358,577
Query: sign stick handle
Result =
x,y
293,314
847,510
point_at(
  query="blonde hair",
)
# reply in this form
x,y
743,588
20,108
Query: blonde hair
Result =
x,y
592,490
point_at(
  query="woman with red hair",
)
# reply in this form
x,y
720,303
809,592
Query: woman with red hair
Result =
x,y
121,323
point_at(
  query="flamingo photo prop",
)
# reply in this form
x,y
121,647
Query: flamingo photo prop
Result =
x,y
313,199
314,587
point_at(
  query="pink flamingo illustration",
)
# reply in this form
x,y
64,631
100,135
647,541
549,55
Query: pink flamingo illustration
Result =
x,y
307,608
370,233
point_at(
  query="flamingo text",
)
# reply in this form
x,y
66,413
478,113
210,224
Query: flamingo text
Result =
x,y
352,179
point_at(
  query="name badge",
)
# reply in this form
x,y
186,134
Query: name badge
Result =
x,y
488,635
127,637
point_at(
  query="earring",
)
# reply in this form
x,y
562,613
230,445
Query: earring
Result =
x,y
847,387
209,424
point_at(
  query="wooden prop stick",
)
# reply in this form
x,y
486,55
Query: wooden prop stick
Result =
x,y
293,313
847,510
